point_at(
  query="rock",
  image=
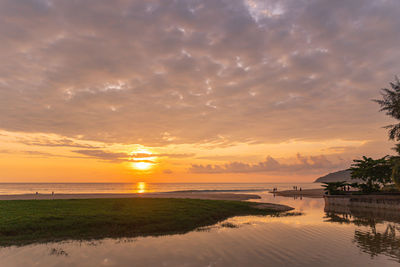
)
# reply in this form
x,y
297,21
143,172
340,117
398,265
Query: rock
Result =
x,y
339,176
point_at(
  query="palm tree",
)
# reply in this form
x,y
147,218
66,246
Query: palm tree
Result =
x,y
390,103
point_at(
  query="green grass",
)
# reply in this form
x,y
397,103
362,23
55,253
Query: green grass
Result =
x,y
29,221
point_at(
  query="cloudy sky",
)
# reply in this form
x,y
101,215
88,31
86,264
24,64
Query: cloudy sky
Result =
x,y
192,91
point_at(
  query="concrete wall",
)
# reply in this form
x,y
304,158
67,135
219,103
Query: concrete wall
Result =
x,y
391,202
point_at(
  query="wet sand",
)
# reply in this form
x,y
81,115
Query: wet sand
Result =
x,y
209,196
315,193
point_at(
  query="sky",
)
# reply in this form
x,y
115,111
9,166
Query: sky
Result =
x,y
193,91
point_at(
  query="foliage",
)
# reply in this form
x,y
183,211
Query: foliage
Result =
x,y
375,173
390,188
29,221
396,172
334,188
390,103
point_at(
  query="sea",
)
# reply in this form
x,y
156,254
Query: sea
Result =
x,y
143,187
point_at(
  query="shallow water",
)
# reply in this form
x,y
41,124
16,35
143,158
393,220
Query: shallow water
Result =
x,y
316,238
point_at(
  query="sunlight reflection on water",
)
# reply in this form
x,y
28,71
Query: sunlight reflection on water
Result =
x,y
141,187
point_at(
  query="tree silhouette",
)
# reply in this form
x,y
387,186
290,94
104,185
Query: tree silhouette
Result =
x,y
375,173
390,103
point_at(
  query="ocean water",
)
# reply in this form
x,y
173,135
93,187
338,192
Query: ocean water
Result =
x,y
142,187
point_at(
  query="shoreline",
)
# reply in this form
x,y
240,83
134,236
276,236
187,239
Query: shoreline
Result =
x,y
312,193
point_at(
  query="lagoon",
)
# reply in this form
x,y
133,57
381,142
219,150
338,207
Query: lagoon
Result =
x,y
315,238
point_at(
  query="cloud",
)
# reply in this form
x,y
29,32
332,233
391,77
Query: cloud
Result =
x,y
142,160
188,72
302,165
36,153
63,142
40,154
104,155
169,155
122,156
341,149
167,171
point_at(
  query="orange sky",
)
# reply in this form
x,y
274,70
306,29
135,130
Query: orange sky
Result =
x,y
208,91
50,158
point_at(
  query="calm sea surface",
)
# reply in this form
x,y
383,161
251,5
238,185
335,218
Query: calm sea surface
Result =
x,y
315,238
141,187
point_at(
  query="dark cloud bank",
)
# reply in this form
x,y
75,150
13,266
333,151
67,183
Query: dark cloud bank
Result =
x,y
270,165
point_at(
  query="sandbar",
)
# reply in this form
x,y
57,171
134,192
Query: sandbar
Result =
x,y
314,193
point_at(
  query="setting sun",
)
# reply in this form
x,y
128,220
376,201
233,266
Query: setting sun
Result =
x,y
142,165
142,159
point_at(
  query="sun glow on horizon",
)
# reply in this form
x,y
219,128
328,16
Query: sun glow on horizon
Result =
x,y
142,165
142,160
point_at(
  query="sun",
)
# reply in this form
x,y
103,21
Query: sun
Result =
x,y
142,165
142,160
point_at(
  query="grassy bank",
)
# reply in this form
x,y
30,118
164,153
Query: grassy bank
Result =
x,y
29,221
